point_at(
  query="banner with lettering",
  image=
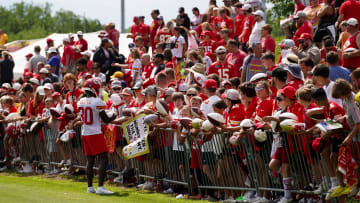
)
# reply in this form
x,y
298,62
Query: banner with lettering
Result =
x,y
110,132
136,132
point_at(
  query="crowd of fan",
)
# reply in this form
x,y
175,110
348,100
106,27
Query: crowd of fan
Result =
x,y
218,66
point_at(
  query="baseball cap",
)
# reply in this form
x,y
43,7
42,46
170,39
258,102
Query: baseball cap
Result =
x,y
117,74
44,70
225,82
220,49
6,85
246,7
131,45
258,76
288,92
116,83
29,55
70,35
55,94
79,33
40,90
181,9
168,91
87,53
199,78
259,13
183,87
49,40
305,36
173,83
141,17
17,86
137,86
210,83
66,39
206,33
34,81
232,94
352,22
295,70
300,14
198,68
127,91
135,18
52,50
287,43
48,86
278,73
151,90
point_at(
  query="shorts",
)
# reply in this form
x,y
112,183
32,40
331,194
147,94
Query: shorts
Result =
x,y
335,144
94,144
281,155
208,158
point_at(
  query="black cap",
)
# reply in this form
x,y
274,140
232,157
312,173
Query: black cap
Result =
x,y
279,73
159,55
181,9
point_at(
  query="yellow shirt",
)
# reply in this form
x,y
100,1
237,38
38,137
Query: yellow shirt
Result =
x,y
3,39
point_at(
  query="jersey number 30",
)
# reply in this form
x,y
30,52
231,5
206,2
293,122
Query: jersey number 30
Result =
x,y
86,115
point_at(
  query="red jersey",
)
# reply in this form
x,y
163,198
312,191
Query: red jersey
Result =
x,y
114,36
251,108
138,30
83,45
350,9
268,44
146,34
304,28
171,106
248,25
297,109
34,110
146,72
264,108
334,111
222,43
136,105
163,35
210,48
12,109
153,29
239,24
73,97
68,51
227,23
225,71
353,62
235,115
295,83
236,59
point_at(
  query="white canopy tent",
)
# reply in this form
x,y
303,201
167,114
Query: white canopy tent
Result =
x,y
92,39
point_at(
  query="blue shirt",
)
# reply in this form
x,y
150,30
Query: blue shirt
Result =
x,y
337,72
55,61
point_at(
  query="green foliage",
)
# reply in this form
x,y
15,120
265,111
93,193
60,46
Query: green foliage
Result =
x,y
281,8
31,21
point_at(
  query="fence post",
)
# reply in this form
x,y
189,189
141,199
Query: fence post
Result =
x,y
187,165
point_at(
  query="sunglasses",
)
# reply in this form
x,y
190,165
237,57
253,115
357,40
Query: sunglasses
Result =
x,y
191,95
259,88
116,88
221,53
279,99
300,42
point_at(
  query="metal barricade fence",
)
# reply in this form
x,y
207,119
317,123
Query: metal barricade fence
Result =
x,y
204,165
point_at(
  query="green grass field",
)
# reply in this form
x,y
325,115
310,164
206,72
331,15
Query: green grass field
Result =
x,y
28,189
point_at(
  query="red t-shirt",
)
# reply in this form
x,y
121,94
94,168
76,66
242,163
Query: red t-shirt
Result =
x,y
304,28
227,23
299,7
350,9
297,109
68,51
147,71
264,108
248,25
153,29
138,30
352,62
136,105
114,36
268,44
295,83
72,98
239,24
34,110
225,71
171,106
235,115
251,108
210,48
83,47
12,109
236,59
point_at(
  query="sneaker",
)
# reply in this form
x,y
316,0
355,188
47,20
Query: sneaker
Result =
x,y
119,179
148,186
329,192
3,168
249,195
168,191
180,196
54,171
27,169
140,186
103,191
15,160
284,200
262,200
339,191
91,190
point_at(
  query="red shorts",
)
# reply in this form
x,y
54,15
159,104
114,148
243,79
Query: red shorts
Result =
x,y
281,155
94,144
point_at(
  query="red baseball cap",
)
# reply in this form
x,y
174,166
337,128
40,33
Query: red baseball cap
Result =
x,y
305,36
288,92
55,94
171,83
29,55
28,74
135,19
210,83
48,40
206,33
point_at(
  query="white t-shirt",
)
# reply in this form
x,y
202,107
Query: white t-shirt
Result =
x,y
178,50
207,61
328,94
206,108
89,109
136,68
256,32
